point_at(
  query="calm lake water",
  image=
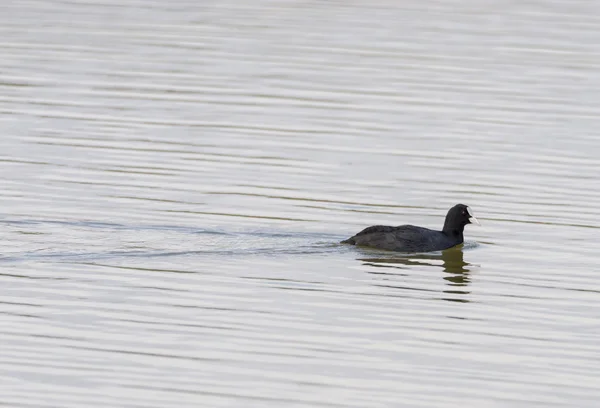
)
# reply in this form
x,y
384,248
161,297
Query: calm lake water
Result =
x,y
176,176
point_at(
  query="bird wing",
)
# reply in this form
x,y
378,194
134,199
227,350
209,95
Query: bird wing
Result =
x,y
407,238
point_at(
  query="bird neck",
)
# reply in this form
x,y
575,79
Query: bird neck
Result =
x,y
454,233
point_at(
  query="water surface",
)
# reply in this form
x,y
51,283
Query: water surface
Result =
x,y
175,179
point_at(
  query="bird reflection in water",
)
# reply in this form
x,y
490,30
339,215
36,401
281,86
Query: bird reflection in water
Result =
x,y
452,262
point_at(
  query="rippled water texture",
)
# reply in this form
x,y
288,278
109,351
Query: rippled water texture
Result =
x,y
175,178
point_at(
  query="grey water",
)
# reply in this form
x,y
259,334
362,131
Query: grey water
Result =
x,y
175,178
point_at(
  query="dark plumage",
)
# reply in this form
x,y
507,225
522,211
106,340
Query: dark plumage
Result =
x,y
408,238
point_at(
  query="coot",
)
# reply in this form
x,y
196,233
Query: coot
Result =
x,y
408,238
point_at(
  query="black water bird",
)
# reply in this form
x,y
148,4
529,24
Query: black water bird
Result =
x,y
409,238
